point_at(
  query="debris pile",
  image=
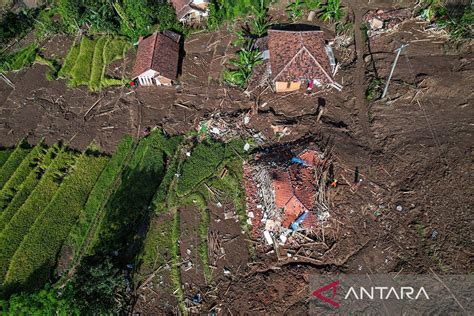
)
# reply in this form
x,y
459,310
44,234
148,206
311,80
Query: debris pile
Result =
x,y
381,21
287,199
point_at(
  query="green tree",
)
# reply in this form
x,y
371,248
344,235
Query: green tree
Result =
x,y
45,302
332,11
295,10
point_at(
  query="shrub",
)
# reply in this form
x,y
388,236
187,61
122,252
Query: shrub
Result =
x,y
16,229
332,11
35,258
242,67
27,187
70,14
13,161
202,164
99,196
15,25
81,72
20,59
21,173
294,10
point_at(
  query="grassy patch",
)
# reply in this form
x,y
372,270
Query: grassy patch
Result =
x,y
4,154
70,60
34,260
97,64
374,90
81,72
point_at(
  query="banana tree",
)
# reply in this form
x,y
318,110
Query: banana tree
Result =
x,y
332,11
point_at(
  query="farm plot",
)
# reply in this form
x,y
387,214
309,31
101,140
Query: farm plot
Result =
x,y
35,258
87,61
21,173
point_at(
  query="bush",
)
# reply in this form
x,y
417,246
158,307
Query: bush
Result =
x,y
202,164
242,67
99,195
332,11
70,14
14,160
15,25
16,229
20,59
34,260
294,10
27,187
21,173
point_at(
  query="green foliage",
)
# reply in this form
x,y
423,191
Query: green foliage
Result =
x,y
294,10
44,302
332,11
34,260
374,90
313,5
26,166
242,67
13,161
20,59
104,187
46,25
53,65
100,16
16,229
458,23
69,11
203,162
260,21
27,187
95,286
15,25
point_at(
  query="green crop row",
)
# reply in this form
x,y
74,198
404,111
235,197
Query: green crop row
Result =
x,y
104,187
21,173
27,187
130,203
14,232
70,60
13,161
97,64
4,154
36,257
81,72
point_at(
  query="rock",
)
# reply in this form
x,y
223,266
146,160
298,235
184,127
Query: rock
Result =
x,y
376,24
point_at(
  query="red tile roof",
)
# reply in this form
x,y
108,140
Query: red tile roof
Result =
x,y
293,209
309,157
182,7
159,52
296,55
282,186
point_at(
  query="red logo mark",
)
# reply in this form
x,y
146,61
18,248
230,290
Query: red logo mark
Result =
x,y
333,286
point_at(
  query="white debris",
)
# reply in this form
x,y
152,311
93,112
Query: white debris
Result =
x,y
250,214
188,154
268,237
215,130
246,147
246,119
375,24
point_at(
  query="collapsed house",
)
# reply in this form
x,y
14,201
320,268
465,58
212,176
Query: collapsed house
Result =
x,y
283,199
295,58
191,10
157,59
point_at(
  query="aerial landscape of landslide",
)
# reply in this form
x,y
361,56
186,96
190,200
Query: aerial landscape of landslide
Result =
x,y
211,157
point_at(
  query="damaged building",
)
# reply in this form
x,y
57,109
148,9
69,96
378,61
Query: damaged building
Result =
x,y
284,198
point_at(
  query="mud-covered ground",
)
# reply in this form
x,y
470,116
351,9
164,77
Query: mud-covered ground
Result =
x,y
412,211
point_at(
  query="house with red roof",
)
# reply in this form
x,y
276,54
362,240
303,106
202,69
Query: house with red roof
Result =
x,y
157,59
190,10
294,57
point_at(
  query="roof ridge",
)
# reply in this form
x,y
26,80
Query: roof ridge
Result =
x,y
154,49
319,65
